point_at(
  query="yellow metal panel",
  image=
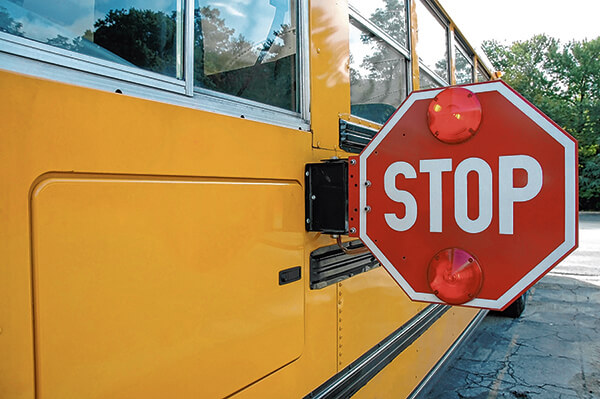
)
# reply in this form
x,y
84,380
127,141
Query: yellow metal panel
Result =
x,y
155,288
371,307
403,374
318,361
49,126
330,70
414,39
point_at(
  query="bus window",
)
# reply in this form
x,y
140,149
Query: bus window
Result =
x,y
426,81
377,76
482,76
128,32
389,15
248,50
464,67
432,45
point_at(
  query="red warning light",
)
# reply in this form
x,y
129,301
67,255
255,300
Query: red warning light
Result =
x,y
455,276
454,115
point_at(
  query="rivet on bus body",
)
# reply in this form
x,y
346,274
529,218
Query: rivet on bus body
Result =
x,y
307,220
353,162
367,208
352,230
313,197
368,183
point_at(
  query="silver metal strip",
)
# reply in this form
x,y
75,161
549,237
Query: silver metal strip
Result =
x,y
188,54
303,56
374,29
179,40
449,354
74,61
422,318
409,83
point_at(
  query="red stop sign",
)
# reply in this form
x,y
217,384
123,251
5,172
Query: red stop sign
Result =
x,y
467,195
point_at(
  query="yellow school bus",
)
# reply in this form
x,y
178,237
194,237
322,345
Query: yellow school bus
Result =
x,y
154,240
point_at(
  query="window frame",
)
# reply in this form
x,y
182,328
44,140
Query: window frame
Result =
x,y
27,56
365,23
462,49
445,23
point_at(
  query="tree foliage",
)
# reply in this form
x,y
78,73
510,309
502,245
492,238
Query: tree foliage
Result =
x,y
563,80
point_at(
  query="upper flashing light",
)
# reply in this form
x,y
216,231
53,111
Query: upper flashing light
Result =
x,y
454,115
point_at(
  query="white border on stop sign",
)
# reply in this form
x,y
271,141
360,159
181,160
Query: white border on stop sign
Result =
x,y
570,194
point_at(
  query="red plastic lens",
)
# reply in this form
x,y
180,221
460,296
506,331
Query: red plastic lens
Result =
x,y
455,276
454,115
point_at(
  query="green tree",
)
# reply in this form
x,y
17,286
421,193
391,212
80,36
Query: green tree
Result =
x,y
563,80
8,24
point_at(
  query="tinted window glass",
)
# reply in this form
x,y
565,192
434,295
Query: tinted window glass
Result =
x,y
389,15
464,69
377,76
426,81
130,32
432,44
482,76
247,49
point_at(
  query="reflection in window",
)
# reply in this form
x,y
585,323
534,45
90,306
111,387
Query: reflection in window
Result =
x,y
377,77
130,32
464,69
482,76
389,15
426,81
247,49
432,46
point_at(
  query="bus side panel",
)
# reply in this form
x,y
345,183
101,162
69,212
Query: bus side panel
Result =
x,y
372,306
164,287
144,191
403,374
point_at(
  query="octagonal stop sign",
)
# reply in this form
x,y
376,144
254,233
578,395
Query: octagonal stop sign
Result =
x,y
467,195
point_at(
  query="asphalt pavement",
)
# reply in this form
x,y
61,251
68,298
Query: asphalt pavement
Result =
x,y
551,351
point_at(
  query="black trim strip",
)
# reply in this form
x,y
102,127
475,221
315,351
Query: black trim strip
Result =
x,y
348,381
329,265
354,137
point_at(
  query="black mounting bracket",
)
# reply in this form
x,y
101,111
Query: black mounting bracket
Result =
x,y
326,196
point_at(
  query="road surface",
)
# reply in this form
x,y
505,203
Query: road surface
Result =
x,y
551,351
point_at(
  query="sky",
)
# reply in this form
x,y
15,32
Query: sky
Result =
x,y
511,20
